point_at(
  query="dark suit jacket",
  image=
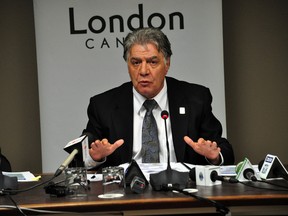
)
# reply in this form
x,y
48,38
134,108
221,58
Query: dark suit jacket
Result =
x,y
111,116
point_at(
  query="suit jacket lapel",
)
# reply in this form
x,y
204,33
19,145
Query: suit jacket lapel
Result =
x,y
178,117
123,119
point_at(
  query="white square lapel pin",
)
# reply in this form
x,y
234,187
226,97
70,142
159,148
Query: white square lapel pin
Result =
x,y
182,110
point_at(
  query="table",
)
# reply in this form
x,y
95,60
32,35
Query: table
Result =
x,y
239,198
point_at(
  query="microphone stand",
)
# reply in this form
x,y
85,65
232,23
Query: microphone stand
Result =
x,y
169,178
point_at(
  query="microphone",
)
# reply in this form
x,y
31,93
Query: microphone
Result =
x,y
66,162
82,145
164,116
272,167
135,178
138,185
168,178
249,174
245,171
214,177
79,148
208,176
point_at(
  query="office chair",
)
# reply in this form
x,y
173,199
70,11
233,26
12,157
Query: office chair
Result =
x,y
4,163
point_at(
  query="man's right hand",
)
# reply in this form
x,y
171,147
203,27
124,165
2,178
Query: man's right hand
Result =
x,y
102,148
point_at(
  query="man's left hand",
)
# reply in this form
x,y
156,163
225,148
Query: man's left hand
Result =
x,y
207,148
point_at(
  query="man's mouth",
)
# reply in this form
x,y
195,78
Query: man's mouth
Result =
x,y
144,82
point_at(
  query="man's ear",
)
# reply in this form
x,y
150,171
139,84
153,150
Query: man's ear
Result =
x,y
167,64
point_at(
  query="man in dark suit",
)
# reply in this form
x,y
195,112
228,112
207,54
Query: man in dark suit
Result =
x,y
116,116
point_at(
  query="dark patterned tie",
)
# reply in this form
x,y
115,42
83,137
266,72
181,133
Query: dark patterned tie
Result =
x,y
150,142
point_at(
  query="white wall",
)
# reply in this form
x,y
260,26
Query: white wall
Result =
x,y
69,73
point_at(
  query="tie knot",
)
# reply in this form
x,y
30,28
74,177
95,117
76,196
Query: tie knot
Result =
x,y
150,105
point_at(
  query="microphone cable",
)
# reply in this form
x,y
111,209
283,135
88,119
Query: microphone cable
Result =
x,y
16,205
57,173
265,188
272,183
222,209
13,192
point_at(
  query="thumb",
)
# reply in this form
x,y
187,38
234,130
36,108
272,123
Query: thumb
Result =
x,y
118,143
189,141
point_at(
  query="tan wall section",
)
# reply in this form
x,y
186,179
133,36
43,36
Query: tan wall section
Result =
x,y
19,109
256,77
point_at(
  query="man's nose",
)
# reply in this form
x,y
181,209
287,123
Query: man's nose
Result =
x,y
144,68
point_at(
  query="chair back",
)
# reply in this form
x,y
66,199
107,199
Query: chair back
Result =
x,y
5,165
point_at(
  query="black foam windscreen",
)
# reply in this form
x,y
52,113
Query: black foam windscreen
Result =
x,y
132,171
192,174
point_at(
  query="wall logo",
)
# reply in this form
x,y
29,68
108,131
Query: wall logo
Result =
x,y
118,24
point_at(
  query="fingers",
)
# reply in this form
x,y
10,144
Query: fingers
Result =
x,y
189,141
213,145
93,145
204,147
195,145
207,144
102,148
105,143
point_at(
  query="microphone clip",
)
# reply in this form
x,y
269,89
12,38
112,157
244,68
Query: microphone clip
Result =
x,y
56,190
203,175
245,171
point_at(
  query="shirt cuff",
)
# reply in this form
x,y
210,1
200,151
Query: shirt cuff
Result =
x,y
90,163
221,160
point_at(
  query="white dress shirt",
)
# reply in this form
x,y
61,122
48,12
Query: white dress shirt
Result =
x,y
138,116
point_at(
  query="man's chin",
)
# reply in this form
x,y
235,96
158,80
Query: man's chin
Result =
x,y
146,93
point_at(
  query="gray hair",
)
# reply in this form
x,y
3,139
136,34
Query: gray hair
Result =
x,y
144,36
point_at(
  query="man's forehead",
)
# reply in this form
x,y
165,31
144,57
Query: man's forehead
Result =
x,y
145,57
144,51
